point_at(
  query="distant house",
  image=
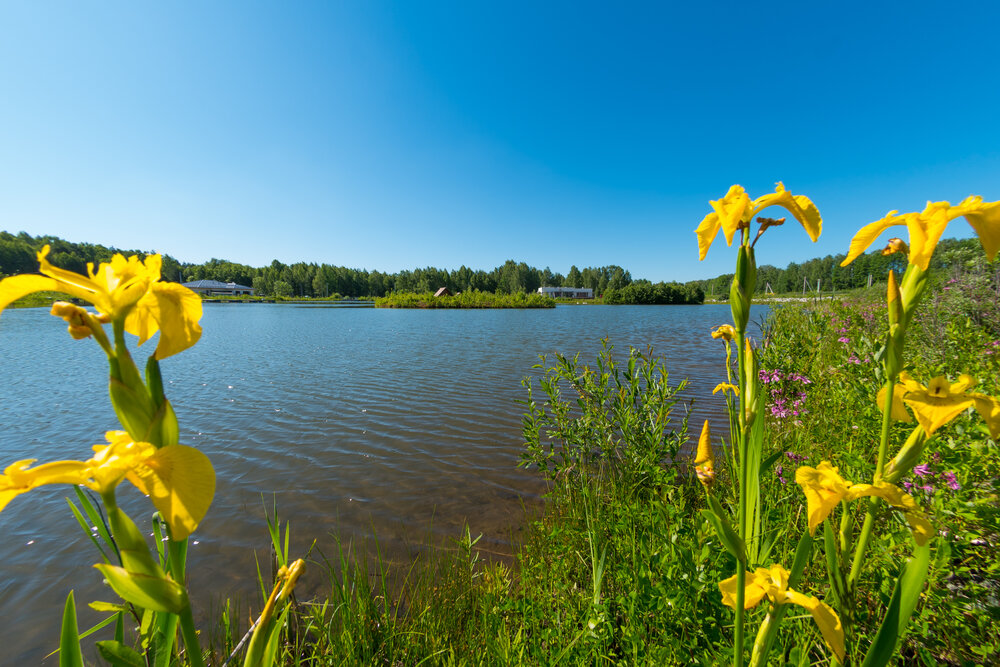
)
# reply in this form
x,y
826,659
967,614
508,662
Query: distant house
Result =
x,y
567,292
444,291
216,288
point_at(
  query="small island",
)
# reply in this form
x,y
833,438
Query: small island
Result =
x,y
469,299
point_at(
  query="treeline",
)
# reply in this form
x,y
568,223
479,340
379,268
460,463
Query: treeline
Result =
x,y
825,274
615,284
301,279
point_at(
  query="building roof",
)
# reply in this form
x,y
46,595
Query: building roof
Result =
x,y
213,284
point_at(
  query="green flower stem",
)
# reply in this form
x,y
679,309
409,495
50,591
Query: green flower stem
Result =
x,y
883,446
190,636
741,572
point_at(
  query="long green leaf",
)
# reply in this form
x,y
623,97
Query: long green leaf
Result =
x,y
727,535
144,591
120,655
86,528
108,621
95,516
755,453
905,595
832,564
69,638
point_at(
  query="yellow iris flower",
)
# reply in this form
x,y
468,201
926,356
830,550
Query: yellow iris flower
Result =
x,y
122,288
735,211
824,488
772,582
704,459
724,331
724,387
926,227
941,401
179,480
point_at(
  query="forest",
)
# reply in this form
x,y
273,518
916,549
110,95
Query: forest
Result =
x,y
614,283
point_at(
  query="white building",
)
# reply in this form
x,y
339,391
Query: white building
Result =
x,y
567,292
215,288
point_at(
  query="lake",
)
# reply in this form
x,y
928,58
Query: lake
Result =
x,y
359,421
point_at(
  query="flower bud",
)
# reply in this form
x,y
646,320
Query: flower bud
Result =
x,y
744,283
75,316
704,460
907,457
894,301
913,285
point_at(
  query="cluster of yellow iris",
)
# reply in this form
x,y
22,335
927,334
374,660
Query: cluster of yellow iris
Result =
x,y
934,405
128,295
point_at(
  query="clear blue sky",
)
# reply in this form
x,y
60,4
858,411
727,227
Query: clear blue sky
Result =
x,y
389,136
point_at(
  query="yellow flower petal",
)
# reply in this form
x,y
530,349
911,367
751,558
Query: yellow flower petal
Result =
x,y
800,206
707,230
826,620
19,478
725,386
732,211
927,227
899,412
867,234
727,214
172,309
989,410
824,488
180,481
985,220
919,525
939,402
753,592
15,287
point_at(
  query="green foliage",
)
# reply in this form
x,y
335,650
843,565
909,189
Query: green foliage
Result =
x,y
473,299
645,292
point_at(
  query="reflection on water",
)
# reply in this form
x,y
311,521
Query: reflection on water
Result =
x,y
352,420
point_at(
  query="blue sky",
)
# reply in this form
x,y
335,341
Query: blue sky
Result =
x,y
389,136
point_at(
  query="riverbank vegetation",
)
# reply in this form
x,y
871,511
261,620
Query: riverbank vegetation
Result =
x,y
621,566
472,299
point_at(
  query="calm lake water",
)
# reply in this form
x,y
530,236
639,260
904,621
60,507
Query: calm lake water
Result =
x,y
401,423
